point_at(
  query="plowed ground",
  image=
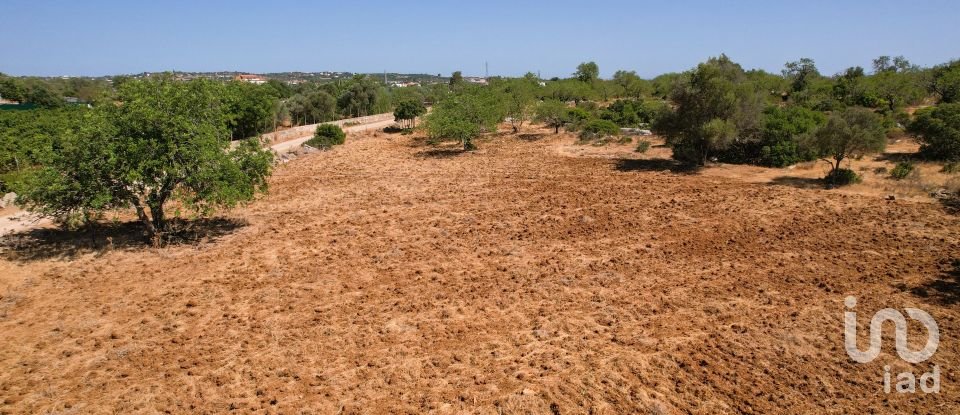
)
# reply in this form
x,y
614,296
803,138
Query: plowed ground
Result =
x,y
385,276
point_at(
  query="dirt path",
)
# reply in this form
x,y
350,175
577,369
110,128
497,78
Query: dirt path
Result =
x,y
293,143
385,276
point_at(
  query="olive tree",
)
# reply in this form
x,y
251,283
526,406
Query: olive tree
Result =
x,y
714,106
851,133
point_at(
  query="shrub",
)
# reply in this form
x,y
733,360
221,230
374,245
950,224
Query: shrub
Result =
x,y
599,128
326,136
842,177
642,146
938,129
902,170
577,118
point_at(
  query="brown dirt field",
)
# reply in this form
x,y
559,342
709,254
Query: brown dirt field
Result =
x,y
530,276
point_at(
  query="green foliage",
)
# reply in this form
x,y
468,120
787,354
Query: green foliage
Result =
x,y
587,72
938,130
249,109
853,132
630,113
167,140
631,84
842,177
945,82
362,97
595,129
576,117
519,95
29,138
568,90
902,170
465,115
781,136
713,105
800,73
642,146
552,113
456,78
327,136
408,111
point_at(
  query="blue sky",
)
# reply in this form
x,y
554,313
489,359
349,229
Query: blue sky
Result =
x,y
650,37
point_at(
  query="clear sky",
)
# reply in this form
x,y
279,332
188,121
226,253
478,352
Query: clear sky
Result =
x,y
651,37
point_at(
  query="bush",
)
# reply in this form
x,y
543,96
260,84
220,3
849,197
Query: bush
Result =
x,y
577,118
842,177
599,128
902,170
326,136
642,146
938,129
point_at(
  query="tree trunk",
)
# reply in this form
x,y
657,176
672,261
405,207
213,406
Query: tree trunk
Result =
x,y
159,221
145,220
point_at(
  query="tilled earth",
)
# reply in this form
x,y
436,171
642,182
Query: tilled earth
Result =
x,y
385,276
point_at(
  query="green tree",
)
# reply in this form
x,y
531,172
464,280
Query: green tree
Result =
x,y
249,109
938,130
783,134
42,95
519,95
851,133
361,97
165,141
713,106
408,111
466,115
587,72
456,78
12,88
553,113
800,73
945,82
633,86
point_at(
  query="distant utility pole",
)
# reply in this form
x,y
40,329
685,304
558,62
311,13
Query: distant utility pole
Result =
x,y
486,70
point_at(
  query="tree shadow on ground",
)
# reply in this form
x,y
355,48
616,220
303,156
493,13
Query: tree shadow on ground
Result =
x,y
798,182
900,157
531,136
627,165
43,244
440,153
951,204
945,289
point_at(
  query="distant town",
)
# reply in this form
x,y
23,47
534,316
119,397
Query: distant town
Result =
x,y
291,78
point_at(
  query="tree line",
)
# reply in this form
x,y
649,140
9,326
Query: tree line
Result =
x,y
719,111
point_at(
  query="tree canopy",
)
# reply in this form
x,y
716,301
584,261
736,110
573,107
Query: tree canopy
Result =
x,y
166,140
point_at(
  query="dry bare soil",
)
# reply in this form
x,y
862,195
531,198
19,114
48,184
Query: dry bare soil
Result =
x,y
386,276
